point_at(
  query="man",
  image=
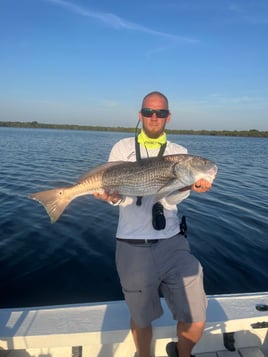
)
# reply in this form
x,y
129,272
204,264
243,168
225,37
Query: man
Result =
x,y
151,255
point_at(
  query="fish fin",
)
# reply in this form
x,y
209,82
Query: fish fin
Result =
x,y
98,169
159,197
171,186
54,202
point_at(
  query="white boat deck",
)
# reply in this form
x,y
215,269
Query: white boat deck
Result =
x,y
102,329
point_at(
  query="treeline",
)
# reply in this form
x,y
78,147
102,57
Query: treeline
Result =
x,y
248,133
35,124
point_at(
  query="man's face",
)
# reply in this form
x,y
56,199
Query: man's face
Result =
x,y
154,126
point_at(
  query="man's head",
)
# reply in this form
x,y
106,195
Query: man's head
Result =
x,y
154,114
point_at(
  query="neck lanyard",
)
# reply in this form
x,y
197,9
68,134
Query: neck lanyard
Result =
x,y
138,150
138,158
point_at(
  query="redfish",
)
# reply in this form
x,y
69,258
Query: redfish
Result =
x,y
157,176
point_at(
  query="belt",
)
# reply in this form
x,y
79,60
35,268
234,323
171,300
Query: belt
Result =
x,y
139,241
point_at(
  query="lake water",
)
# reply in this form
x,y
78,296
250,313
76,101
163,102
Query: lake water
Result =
x,y
72,261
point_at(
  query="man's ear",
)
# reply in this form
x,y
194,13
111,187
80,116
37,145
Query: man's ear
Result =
x,y
168,118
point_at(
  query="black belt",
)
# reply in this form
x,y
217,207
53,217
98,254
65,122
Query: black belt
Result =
x,y
138,241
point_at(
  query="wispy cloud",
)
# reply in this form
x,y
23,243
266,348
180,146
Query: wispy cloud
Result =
x,y
251,12
117,22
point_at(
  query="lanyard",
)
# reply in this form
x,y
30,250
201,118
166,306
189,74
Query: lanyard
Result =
x,y
138,158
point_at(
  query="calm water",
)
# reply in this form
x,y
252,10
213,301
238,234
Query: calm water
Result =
x,y
72,261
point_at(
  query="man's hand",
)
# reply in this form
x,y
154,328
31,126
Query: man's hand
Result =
x,y
201,186
108,197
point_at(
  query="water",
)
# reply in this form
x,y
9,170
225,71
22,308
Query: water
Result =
x,y
72,261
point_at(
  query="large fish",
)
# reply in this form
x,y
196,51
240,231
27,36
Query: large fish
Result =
x,y
153,176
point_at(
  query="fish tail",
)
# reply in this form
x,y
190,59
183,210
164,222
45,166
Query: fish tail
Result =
x,y
54,201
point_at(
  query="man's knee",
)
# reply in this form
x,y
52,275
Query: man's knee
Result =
x,y
191,330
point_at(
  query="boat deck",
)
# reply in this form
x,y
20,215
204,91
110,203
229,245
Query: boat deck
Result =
x,y
242,352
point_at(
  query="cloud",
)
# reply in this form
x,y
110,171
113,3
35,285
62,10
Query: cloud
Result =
x,y
251,12
117,22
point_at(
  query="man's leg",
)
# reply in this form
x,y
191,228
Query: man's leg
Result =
x,y
188,335
142,337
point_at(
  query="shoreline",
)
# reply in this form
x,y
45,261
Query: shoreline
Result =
x,y
36,125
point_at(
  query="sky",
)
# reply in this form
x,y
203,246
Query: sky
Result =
x,y
92,62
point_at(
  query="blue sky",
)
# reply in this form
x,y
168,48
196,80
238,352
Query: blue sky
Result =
x,y
91,62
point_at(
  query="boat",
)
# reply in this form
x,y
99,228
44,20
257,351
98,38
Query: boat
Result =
x,y
236,326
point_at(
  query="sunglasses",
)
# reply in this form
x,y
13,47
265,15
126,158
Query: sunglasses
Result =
x,y
160,113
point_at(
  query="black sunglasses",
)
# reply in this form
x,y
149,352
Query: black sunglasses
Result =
x,y
160,113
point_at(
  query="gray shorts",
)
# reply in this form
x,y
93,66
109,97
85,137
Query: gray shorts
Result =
x,y
167,267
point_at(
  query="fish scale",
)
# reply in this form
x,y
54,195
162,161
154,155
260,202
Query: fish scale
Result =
x,y
141,177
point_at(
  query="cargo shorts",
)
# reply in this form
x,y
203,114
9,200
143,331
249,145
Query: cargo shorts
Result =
x,y
167,267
